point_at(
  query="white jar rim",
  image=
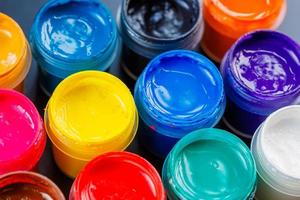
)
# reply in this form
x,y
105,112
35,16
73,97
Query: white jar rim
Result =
x,y
271,172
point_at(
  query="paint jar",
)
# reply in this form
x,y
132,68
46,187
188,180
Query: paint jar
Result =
x,y
88,114
275,147
178,92
149,28
261,74
22,136
28,185
72,36
227,20
210,164
118,175
15,54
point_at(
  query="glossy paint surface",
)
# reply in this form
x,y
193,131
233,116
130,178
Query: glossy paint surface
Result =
x,y
181,86
266,65
162,19
13,43
23,185
118,176
21,132
209,164
91,107
74,29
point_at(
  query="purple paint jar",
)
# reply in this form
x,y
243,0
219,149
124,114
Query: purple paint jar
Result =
x,y
261,74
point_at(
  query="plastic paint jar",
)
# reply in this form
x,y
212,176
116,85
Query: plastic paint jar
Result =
x,y
178,92
15,54
275,147
210,164
28,185
149,28
22,136
118,175
227,20
72,36
88,114
261,74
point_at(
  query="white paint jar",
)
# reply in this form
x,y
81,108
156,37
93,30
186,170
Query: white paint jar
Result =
x,y
276,150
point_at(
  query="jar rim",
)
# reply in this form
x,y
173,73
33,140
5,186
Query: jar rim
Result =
x,y
209,134
31,178
130,158
124,17
273,176
39,50
27,159
64,136
195,118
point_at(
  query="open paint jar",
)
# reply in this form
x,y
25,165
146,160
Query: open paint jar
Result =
x,y
178,92
227,20
22,136
28,185
15,54
275,147
261,74
118,175
88,114
210,164
72,36
149,28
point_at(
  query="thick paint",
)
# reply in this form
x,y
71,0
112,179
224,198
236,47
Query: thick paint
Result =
x,y
13,43
209,164
266,65
24,185
214,167
162,19
261,74
182,86
226,21
179,91
19,126
23,191
74,29
280,141
119,176
248,10
91,107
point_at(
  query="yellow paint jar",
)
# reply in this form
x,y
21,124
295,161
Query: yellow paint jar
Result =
x,y
89,113
15,54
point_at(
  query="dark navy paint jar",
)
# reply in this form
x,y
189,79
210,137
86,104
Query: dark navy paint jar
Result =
x,y
178,92
69,36
149,28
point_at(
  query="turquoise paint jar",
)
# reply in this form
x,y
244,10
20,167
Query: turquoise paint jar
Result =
x,y
69,36
210,164
178,92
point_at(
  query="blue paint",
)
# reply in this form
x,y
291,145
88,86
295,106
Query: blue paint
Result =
x,y
178,92
69,36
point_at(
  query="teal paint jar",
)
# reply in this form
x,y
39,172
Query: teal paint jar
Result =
x,y
210,164
70,36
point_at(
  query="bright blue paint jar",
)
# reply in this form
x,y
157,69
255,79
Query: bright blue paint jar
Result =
x,y
69,36
178,92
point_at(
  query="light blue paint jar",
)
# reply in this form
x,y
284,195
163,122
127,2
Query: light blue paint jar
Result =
x,y
69,36
178,92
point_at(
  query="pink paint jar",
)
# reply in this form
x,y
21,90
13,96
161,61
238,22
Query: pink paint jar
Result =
x,y
22,135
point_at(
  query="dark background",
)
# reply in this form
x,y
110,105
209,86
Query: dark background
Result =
x,y
23,11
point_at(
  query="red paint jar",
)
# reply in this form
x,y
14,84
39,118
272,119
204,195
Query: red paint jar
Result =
x,y
22,135
28,185
118,175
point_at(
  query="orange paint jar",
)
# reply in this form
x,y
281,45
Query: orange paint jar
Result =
x,y
15,54
227,20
